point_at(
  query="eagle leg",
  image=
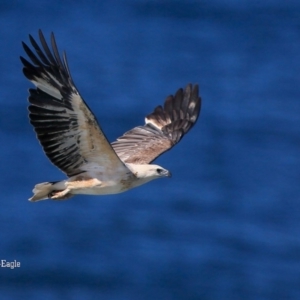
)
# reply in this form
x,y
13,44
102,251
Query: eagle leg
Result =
x,y
60,195
82,183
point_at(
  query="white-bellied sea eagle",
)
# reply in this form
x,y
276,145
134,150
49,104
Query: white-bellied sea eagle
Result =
x,y
74,141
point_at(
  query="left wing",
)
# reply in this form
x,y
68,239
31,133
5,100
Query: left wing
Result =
x,y
66,128
164,128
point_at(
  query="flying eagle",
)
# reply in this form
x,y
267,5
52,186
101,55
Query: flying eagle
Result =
x,y
74,141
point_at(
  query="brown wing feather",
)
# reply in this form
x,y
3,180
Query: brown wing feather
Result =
x,y
164,128
66,128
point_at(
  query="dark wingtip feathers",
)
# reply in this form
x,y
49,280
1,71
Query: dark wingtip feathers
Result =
x,y
185,104
179,114
191,103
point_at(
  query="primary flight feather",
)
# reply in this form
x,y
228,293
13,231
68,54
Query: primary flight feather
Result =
x,y
74,141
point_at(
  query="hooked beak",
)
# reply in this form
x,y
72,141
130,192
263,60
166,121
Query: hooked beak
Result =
x,y
168,174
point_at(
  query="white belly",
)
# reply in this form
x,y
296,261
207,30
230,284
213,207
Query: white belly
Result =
x,y
100,185
116,189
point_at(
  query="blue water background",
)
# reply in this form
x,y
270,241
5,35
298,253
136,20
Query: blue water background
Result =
x,y
227,225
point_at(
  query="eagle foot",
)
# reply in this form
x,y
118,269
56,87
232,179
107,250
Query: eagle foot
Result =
x,y
60,195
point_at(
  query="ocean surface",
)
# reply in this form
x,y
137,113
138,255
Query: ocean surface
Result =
x,y
227,225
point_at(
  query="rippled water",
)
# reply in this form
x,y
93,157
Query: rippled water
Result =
x,y
226,226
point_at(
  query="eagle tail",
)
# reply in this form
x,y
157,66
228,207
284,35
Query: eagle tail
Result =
x,y
49,190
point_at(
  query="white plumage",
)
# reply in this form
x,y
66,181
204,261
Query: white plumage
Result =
x,y
73,140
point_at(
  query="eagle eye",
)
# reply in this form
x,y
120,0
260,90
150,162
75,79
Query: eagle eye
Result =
x,y
159,171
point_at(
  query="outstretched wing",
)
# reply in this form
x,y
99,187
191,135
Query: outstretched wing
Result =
x,y
66,128
164,128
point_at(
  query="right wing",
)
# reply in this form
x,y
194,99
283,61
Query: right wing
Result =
x,y
66,128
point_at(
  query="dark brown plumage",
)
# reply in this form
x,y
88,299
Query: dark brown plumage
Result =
x,y
164,128
66,128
